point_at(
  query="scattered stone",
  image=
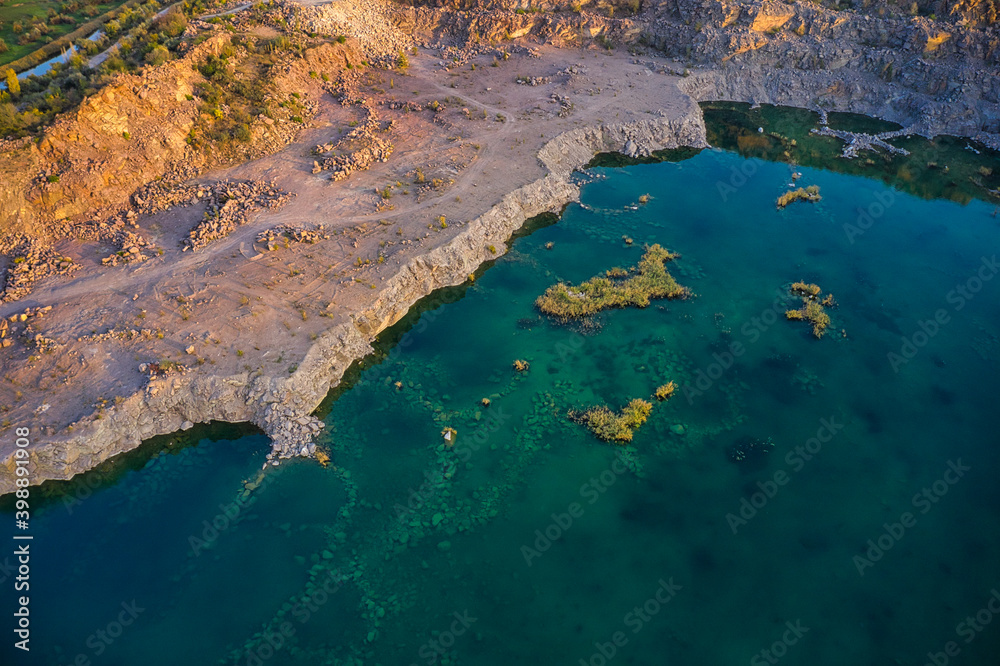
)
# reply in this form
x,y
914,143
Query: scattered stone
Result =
x,y
230,205
283,233
533,80
858,141
31,260
749,450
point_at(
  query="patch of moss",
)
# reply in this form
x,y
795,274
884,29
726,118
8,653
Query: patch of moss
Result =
x,y
664,392
609,426
809,194
637,286
813,308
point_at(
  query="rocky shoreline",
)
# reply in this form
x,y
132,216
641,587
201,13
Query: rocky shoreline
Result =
x,y
281,406
737,64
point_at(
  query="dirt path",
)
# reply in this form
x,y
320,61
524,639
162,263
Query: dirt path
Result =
x,y
260,315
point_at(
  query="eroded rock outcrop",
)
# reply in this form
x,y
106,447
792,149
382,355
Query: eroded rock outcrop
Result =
x,y
280,405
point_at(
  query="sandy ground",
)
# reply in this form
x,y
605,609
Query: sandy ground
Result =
x,y
243,309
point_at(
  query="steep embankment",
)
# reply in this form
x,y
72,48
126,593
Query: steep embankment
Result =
x,y
935,76
281,405
128,134
139,129
938,77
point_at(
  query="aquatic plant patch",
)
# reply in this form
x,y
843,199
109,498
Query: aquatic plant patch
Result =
x,y
609,426
813,308
618,288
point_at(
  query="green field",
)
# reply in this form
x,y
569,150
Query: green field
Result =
x,y
44,21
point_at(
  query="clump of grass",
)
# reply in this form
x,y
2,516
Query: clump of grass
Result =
x,y
609,426
806,290
813,308
810,194
664,392
619,289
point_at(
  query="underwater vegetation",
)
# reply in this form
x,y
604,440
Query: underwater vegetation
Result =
x,y
748,449
809,194
609,426
665,391
813,308
619,288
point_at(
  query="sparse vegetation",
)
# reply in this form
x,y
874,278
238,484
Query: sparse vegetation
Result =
x,y
609,426
809,194
813,308
664,392
143,38
13,85
619,289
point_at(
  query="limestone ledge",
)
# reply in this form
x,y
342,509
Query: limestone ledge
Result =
x,y
919,113
281,406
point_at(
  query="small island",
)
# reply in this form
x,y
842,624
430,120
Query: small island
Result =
x,y
813,307
808,194
618,288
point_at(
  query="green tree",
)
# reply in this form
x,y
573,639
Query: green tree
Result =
x,y
158,55
13,85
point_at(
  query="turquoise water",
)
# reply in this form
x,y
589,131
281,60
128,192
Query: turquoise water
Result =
x,y
529,541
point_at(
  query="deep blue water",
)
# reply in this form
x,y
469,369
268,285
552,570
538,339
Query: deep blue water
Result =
x,y
529,541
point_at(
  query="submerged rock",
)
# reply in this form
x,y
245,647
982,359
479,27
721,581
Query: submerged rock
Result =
x,y
749,450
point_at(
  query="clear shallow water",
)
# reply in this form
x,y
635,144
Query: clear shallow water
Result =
x,y
421,550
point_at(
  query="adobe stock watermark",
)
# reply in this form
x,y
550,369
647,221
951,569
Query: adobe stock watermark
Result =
x,y
590,492
967,629
634,620
958,298
437,647
464,449
884,200
869,215
923,501
739,176
268,642
98,478
103,638
795,459
229,515
426,319
773,654
752,331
